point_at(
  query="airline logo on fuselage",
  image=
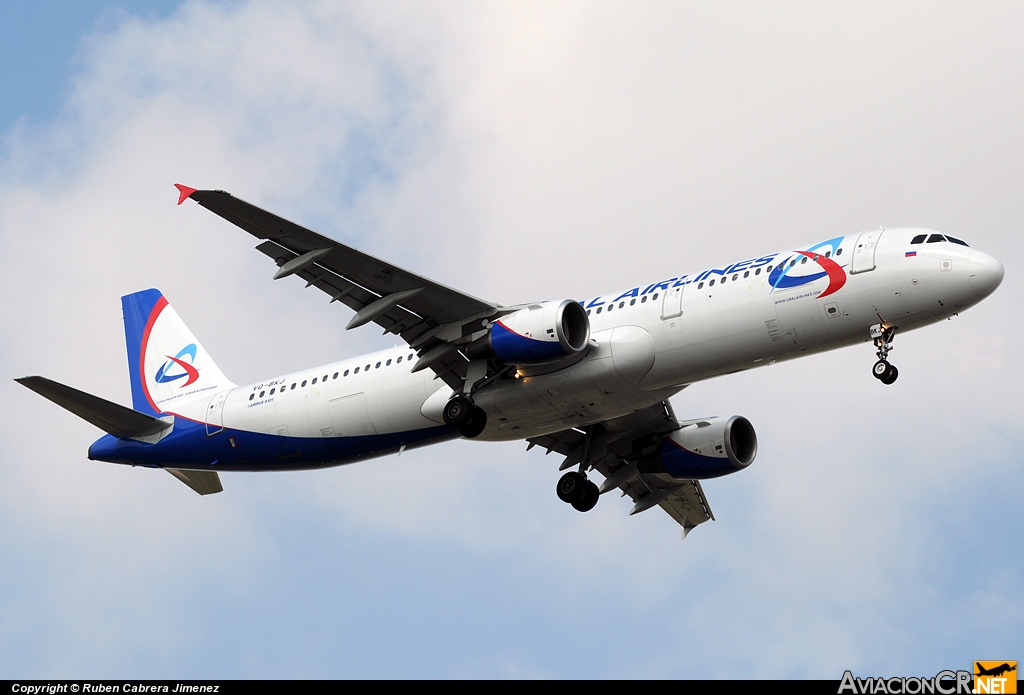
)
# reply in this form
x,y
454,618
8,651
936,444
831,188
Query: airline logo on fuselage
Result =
x,y
781,279
164,375
785,275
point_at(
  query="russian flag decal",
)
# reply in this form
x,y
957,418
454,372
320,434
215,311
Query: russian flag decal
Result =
x,y
910,253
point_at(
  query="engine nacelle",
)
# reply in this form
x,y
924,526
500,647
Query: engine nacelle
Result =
x,y
539,333
711,448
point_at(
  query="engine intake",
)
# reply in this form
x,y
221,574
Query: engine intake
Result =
x,y
709,449
539,333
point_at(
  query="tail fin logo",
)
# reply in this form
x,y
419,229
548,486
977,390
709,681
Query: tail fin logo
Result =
x,y
162,377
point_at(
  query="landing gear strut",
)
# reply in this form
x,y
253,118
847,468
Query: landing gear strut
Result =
x,y
883,371
462,414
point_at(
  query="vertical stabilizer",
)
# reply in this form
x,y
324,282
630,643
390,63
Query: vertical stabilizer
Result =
x,y
166,363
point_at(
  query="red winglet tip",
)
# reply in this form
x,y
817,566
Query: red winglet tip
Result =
x,y
185,192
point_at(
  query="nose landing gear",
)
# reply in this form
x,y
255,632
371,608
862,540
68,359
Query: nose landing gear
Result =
x,y
883,371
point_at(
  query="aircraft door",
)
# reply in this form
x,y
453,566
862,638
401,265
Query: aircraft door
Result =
x,y
673,303
215,414
864,251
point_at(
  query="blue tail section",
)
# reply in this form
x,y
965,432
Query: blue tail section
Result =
x,y
140,310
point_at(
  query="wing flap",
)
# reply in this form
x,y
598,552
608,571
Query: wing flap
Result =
x,y
688,506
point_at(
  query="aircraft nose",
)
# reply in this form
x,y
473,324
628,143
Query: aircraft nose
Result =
x,y
986,273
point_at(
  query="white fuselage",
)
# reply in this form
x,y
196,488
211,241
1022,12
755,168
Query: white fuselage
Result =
x,y
646,344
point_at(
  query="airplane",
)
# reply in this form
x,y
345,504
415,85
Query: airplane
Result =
x,y
995,671
590,380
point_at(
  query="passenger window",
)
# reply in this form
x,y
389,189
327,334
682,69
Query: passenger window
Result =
x,y
388,363
828,254
377,366
366,368
839,252
356,371
335,376
632,301
293,387
936,237
251,396
622,304
746,274
711,284
768,269
346,373
735,276
804,259
643,299
599,309
957,241
262,393
700,285
588,312
655,297
757,272
272,390
325,378
314,380
610,307
919,239
400,358
303,382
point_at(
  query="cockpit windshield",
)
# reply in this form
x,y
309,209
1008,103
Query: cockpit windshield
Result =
x,y
935,238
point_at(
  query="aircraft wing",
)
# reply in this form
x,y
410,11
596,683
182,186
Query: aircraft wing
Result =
x,y
432,318
616,449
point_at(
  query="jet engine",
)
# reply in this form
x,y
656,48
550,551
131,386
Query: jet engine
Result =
x,y
705,448
539,333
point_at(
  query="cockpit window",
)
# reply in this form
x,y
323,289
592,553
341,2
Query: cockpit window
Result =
x,y
919,239
957,241
936,237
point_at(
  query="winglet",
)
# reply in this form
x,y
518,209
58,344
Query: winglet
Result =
x,y
185,192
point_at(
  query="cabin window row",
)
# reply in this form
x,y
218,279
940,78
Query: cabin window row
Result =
x,y
326,377
622,304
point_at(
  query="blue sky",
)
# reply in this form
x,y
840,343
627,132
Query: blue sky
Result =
x,y
39,42
518,152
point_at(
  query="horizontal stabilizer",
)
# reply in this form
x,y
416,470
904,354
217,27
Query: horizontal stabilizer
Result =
x,y
109,417
203,482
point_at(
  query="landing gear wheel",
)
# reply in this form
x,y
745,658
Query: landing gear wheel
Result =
x,y
883,371
891,376
880,369
589,499
458,412
572,487
476,424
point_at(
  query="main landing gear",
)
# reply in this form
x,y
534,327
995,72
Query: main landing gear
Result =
x,y
883,371
462,414
575,489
